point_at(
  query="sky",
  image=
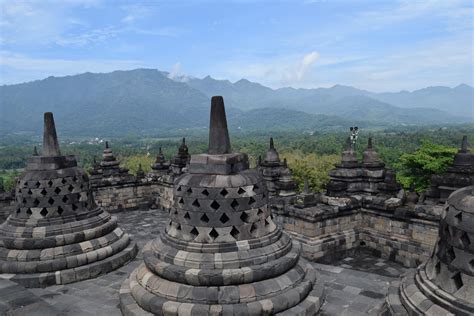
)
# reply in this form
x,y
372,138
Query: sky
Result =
x,y
376,45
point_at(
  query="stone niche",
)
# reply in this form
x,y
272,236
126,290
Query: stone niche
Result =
x,y
221,253
57,234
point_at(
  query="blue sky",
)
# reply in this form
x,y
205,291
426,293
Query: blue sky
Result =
x,y
374,44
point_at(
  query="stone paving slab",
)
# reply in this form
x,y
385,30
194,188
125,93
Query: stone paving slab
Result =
x,y
357,288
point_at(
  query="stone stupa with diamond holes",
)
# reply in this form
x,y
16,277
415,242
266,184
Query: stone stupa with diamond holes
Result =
x,y
444,285
221,253
56,233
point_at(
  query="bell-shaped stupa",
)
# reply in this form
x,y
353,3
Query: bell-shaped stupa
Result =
x,y
221,253
444,285
56,233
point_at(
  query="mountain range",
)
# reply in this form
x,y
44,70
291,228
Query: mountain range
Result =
x,y
149,102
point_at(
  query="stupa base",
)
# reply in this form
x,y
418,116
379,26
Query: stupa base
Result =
x,y
84,272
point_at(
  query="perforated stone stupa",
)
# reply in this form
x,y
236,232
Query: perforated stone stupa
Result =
x,y
57,234
444,285
221,253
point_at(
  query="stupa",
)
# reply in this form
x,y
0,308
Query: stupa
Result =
x,y
221,253
57,234
368,177
179,162
108,171
459,175
160,166
444,285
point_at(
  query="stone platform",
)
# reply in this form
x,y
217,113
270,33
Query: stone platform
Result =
x,y
354,285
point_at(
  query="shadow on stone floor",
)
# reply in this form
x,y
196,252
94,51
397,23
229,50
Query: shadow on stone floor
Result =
x,y
355,285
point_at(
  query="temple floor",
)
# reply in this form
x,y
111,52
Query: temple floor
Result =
x,y
355,285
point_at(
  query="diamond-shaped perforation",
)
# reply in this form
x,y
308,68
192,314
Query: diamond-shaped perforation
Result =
x,y
196,203
57,190
28,211
464,239
224,192
253,228
450,254
44,192
51,201
215,206
181,201
65,199
204,218
187,216
74,207
38,184
251,201
457,279
30,192
60,210
234,204
194,232
70,188
205,192
224,218
259,212
75,179
235,232
244,217
241,191
36,202
50,183
458,218
44,212
189,191
179,188
213,234
178,227
63,181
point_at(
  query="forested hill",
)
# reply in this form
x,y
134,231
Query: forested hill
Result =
x,y
148,102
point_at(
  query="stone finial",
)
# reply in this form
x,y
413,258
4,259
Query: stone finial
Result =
x,y
160,152
106,144
285,162
50,138
219,142
272,146
259,160
369,143
35,151
464,145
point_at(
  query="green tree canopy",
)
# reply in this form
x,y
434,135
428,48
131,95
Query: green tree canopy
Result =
x,y
415,169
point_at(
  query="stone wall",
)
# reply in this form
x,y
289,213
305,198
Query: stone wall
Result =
x,y
329,232
129,196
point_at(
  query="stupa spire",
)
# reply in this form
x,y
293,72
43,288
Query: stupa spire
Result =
x,y
369,143
35,151
464,144
219,142
272,146
50,138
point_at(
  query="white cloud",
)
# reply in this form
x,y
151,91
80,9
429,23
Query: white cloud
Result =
x,y
175,71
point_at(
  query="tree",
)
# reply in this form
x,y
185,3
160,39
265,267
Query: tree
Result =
x,y
414,170
313,167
